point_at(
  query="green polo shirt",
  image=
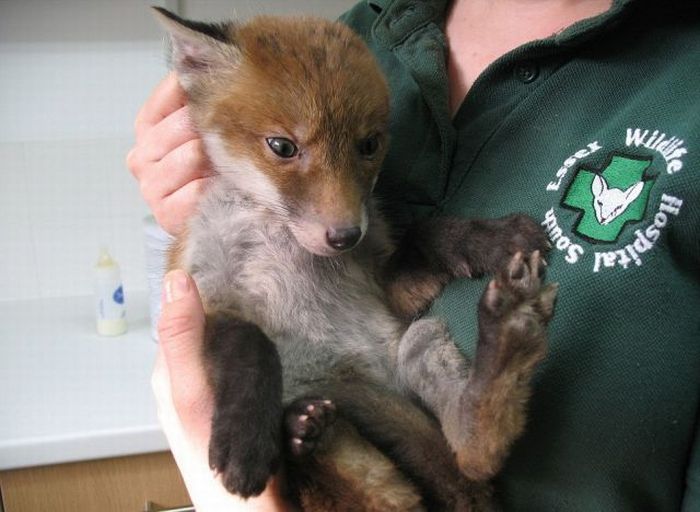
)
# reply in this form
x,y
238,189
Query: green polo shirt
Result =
x,y
595,132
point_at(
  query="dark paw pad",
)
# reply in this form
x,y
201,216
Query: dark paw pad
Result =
x,y
305,420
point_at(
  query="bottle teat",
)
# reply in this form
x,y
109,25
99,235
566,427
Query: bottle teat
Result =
x,y
105,259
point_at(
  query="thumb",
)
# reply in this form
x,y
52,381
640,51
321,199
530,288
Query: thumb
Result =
x,y
181,339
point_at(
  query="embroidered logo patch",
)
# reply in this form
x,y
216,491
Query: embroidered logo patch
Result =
x,y
608,200
604,216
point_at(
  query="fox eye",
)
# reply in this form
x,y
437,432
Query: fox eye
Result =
x,y
368,146
282,147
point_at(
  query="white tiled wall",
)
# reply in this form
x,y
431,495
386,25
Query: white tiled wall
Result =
x,y
70,85
62,200
73,74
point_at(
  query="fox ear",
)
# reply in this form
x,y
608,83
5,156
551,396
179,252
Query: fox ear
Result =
x,y
599,185
633,192
197,48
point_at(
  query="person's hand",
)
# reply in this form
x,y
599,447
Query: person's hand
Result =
x,y
168,158
185,401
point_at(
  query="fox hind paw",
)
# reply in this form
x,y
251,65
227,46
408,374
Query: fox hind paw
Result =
x,y
515,309
305,420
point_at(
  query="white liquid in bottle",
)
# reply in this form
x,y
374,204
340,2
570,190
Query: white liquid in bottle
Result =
x,y
109,297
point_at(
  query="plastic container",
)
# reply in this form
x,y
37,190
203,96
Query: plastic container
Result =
x,y
157,243
110,309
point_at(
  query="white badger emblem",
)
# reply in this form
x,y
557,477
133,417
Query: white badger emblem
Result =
x,y
610,203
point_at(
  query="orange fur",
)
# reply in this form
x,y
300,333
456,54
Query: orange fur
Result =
x,y
349,474
280,93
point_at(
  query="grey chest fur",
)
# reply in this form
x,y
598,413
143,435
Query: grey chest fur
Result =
x,y
324,314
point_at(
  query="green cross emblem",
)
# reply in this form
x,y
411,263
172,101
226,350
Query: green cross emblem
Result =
x,y
608,200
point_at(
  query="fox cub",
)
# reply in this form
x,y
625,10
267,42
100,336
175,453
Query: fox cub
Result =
x,y
318,364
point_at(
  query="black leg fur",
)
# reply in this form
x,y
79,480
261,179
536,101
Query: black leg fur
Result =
x,y
247,379
440,249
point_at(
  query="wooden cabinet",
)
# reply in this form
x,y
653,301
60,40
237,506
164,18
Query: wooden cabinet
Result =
x,y
122,484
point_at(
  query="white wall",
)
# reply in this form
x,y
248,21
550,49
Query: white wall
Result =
x,y
73,74
242,9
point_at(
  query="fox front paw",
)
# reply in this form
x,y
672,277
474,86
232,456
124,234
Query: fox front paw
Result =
x,y
244,460
305,421
473,247
521,234
517,233
513,315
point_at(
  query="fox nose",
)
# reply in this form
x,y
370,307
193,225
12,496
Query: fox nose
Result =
x,y
343,238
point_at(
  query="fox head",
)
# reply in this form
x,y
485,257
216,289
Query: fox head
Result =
x,y
293,112
610,203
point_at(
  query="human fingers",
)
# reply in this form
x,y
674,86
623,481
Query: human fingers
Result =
x,y
186,401
184,164
172,187
173,211
165,136
168,156
166,98
160,383
181,338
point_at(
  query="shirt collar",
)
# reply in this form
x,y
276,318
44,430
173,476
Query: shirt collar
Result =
x,y
398,19
380,5
587,28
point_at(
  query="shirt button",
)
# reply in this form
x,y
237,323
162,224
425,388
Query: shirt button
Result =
x,y
526,71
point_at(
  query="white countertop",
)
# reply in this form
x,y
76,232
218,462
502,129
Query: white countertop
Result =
x,y
67,394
